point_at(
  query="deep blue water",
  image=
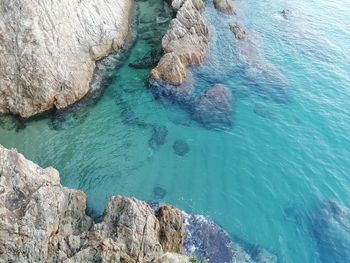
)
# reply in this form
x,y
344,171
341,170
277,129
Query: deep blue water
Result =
x,y
288,150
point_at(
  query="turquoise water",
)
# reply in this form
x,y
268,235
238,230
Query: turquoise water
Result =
x,y
289,146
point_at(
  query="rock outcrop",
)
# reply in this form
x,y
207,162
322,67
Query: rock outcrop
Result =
x,y
185,42
224,6
237,31
213,107
48,49
41,221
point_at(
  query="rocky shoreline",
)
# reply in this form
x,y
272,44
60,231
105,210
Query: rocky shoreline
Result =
x,y
50,50
42,221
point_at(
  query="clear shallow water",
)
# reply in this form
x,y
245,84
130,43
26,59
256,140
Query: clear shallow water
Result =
x,y
289,146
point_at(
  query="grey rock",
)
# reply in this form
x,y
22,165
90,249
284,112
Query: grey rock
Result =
x,y
49,50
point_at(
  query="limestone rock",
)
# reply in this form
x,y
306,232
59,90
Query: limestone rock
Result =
x,y
224,6
214,107
185,42
49,49
171,233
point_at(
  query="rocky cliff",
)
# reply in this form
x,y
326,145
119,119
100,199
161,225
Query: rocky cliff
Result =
x,y
48,49
41,221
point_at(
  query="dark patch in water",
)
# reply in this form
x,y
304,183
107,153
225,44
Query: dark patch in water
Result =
x,y
159,192
181,147
129,117
10,122
159,134
262,111
94,214
149,60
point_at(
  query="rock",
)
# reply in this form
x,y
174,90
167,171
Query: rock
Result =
x,y
208,242
159,134
49,50
181,147
330,227
286,13
173,258
147,61
185,42
129,117
224,6
159,192
10,122
237,31
39,219
171,234
214,107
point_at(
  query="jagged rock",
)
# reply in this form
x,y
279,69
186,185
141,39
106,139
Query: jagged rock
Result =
x,y
214,107
237,31
49,49
224,6
185,43
171,234
41,221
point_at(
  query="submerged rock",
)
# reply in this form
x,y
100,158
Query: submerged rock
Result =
x,y
209,242
9,122
181,147
330,227
286,13
147,61
185,43
41,221
159,192
214,107
159,134
237,31
57,44
224,6
129,117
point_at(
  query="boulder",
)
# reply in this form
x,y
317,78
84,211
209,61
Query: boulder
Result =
x,y
185,43
213,107
224,6
41,221
171,234
237,31
49,50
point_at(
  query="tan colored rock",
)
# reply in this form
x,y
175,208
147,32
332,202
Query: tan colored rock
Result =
x,y
185,42
171,234
48,49
224,6
41,221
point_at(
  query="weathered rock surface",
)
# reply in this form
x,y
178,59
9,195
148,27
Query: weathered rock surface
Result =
x,y
49,49
224,6
237,31
214,107
41,221
185,43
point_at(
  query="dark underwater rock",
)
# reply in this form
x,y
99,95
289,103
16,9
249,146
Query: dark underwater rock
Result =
x,y
208,242
181,147
159,192
147,61
330,227
129,117
286,13
10,122
237,31
159,134
213,108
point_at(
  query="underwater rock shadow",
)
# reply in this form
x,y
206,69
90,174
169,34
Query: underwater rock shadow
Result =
x,y
328,223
